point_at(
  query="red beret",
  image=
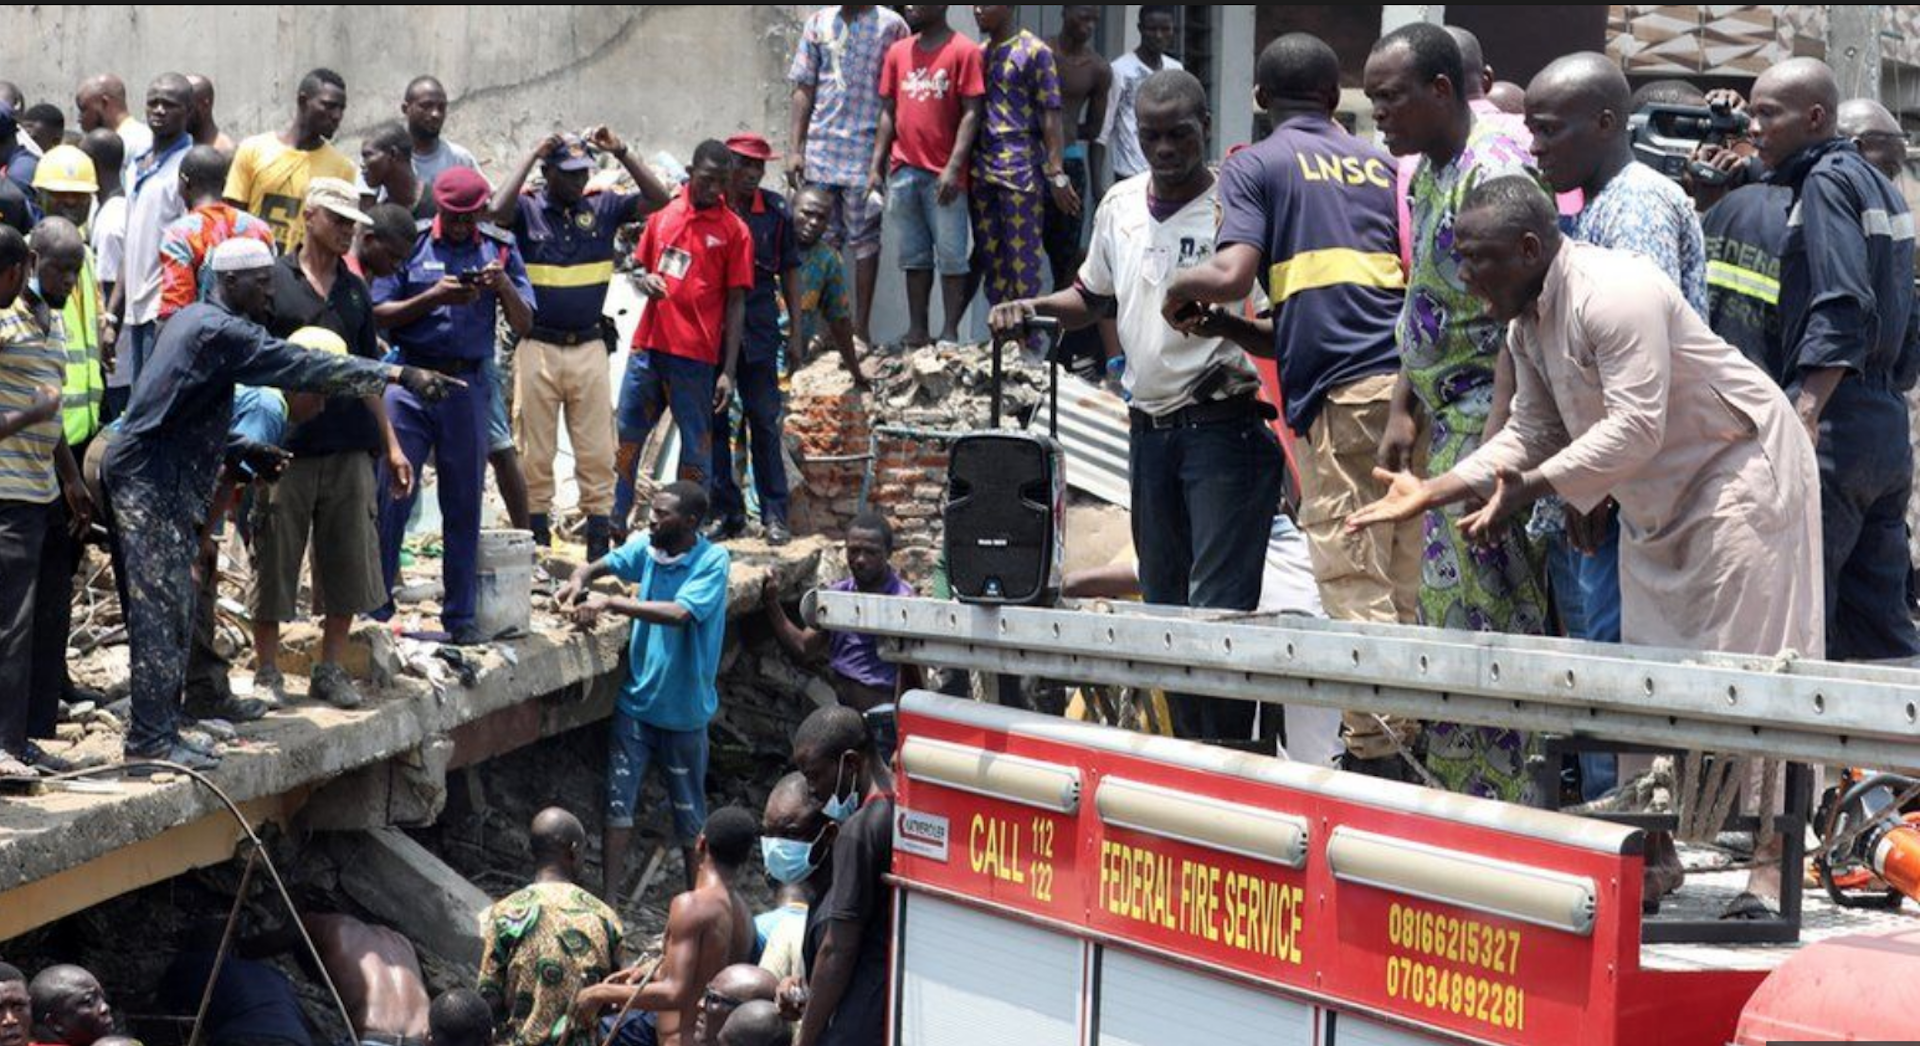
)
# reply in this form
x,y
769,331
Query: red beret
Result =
x,y
461,190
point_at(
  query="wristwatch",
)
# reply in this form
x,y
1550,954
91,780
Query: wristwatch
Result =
x,y
1060,180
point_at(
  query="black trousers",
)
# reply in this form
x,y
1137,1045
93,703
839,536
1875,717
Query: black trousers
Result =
x,y
23,530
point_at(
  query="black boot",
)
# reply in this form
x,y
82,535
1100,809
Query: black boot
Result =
x,y
542,531
599,538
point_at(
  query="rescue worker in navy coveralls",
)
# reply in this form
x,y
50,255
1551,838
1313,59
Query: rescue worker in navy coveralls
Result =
x,y
440,312
1846,302
159,476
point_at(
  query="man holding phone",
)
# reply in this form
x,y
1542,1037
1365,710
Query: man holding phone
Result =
x,y
440,311
1206,464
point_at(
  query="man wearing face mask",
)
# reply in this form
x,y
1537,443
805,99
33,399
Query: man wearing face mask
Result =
x,y
844,999
796,844
679,623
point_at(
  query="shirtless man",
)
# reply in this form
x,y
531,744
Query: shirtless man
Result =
x,y
1086,80
378,974
376,970
709,928
736,986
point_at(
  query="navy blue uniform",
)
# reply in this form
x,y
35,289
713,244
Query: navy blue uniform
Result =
x,y
160,475
457,341
775,255
1846,302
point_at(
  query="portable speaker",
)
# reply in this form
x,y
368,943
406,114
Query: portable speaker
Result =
x,y
1006,519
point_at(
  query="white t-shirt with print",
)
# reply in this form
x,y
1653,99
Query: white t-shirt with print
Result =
x,y
1134,259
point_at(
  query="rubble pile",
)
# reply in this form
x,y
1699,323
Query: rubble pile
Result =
x,y
890,441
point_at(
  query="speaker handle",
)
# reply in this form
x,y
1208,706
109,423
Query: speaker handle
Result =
x,y
1050,327
999,379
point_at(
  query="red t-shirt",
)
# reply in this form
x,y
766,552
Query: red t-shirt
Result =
x,y
927,89
702,254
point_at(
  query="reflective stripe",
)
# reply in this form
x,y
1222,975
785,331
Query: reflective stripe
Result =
x,y
1876,222
1730,277
1313,270
1895,227
591,274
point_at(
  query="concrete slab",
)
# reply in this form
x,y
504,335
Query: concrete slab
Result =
x,y
284,758
406,887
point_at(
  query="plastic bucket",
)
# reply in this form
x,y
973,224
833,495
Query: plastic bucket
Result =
x,y
505,603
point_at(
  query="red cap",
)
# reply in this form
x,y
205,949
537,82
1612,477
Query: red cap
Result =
x,y
461,190
752,147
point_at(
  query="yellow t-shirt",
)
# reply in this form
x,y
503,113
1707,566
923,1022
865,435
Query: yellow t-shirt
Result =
x,y
269,180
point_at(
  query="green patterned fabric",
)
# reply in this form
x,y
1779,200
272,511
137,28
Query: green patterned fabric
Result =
x,y
543,945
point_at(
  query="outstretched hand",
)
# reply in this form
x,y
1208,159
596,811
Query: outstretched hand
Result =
x,y
1407,497
1489,523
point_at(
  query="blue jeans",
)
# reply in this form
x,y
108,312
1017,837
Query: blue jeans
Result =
x,y
1204,500
499,430
1586,589
636,1029
141,339
932,236
683,770
759,387
454,432
1600,588
654,383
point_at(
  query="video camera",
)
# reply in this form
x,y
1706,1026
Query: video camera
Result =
x,y
1665,137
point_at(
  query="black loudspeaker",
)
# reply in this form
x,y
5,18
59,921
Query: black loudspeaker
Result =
x,y
1006,519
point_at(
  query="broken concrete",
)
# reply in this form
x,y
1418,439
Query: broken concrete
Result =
x,y
85,839
413,891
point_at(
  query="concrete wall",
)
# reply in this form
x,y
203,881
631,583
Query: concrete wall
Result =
x,y
665,76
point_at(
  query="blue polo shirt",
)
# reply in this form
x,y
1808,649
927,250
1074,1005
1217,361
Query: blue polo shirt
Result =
x,y
1319,205
671,672
465,332
775,253
569,254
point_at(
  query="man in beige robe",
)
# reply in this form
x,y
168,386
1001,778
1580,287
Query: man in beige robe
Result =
x,y
1624,392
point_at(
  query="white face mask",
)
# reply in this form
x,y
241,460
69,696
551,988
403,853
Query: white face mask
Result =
x,y
666,560
841,809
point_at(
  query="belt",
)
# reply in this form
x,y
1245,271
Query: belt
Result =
x,y
568,339
452,366
372,1039
1200,415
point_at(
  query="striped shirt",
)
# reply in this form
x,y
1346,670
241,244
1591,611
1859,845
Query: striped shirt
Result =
x,y
31,356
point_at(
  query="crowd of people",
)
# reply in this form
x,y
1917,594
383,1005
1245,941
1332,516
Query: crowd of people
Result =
x,y
554,966
1534,386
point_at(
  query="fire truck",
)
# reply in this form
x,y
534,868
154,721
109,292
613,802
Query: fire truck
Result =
x,y
1067,884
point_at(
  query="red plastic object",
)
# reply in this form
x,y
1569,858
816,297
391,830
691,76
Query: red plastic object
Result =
x,y
1856,989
